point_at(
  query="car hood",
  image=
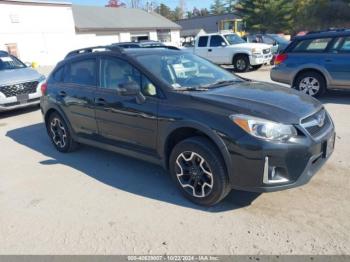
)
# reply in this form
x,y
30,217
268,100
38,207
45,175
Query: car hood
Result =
x,y
265,100
15,76
252,45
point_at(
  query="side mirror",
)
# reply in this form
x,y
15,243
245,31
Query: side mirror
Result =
x,y
223,44
274,43
131,89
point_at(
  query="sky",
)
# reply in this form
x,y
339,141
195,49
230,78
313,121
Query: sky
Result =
x,y
172,3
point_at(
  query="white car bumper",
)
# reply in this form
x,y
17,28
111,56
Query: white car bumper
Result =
x,y
260,59
14,102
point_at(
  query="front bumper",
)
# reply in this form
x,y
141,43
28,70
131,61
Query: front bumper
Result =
x,y
295,162
260,59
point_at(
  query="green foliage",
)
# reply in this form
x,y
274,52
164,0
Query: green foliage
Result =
x,y
218,7
267,15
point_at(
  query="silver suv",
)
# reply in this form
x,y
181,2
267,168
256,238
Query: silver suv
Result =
x,y
315,62
19,84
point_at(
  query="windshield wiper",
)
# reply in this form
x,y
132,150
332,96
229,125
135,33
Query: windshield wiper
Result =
x,y
223,83
192,88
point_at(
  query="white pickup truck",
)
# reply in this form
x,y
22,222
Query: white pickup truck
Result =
x,y
230,49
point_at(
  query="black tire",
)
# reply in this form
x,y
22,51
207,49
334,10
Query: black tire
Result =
x,y
202,193
307,80
241,63
256,67
59,134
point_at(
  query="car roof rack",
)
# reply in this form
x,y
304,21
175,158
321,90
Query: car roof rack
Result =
x,y
95,49
329,30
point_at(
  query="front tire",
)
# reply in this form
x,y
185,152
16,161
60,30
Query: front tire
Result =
x,y
241,63
311,83
199,171
59,134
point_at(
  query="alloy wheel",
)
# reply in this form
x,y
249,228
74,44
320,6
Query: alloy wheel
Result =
x,y
194,174
241,64
58,133
309,86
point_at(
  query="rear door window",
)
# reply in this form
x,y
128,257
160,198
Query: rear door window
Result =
x,y
203,41
318,45
82,72
345,48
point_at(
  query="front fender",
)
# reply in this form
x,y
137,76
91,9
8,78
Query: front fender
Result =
x,y
212,134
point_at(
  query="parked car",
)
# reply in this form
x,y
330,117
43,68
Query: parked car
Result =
x,y
19,84
144,44
212,130
230,49
315,62
278,42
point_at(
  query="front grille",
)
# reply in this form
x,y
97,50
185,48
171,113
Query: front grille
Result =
x,y
19,89
317,124
266,51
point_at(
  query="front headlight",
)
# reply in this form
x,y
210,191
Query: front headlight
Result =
x,y
264,129
257,51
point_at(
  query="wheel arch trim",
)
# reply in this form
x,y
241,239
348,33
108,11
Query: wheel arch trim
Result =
x,y
207,131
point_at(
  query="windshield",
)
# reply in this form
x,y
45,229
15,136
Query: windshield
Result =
x,y
10,62
184,70
279,39
234,39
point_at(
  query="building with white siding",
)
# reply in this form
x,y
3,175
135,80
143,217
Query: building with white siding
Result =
x,y
45,31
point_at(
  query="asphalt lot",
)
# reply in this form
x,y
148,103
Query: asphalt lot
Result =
x,y
96,202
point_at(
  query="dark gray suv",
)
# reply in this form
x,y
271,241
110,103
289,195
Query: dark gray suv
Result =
x,y
315,62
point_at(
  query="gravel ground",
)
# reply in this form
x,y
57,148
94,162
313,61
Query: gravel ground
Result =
x,y
96,202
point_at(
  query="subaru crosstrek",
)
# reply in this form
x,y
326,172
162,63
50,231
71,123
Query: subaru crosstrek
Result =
x,y
212,130
19,84
315,63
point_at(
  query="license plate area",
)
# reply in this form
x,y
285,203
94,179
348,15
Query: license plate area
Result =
x,y
328,146
22,98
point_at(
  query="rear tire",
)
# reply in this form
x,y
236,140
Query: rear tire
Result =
x,y
241,63
199,171
311,83
60,134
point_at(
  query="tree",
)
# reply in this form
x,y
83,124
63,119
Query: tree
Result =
x,y
165,11
177,14
267,15
230,6
218,7
115,3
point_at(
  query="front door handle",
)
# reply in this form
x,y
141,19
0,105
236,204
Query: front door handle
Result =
x,y
329,60
210,50
100,101
62,94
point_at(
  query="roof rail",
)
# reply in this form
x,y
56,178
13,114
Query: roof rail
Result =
x,y
94,49
329,30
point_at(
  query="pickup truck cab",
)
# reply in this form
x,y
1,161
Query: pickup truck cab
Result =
x,y
230,49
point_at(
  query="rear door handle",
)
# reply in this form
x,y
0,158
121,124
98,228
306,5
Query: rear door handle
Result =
x,y
329,60
210,50
100,101
62,94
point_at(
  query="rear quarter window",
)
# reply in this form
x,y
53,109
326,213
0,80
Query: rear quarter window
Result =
x,y
82,72
57,75
203,41
317,45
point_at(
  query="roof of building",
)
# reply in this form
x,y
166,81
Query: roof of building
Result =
x,y
106,18
47,2
209,23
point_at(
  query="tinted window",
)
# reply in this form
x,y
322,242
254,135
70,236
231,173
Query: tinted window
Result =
x,y
312,45
346,46
57,76
82,73
115,72
203,41
216,40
